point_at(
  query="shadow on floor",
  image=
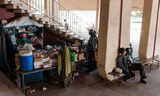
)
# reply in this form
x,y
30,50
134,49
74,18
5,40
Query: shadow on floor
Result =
x,y
91,85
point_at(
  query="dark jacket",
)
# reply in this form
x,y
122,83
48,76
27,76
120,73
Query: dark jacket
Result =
x,y
122,63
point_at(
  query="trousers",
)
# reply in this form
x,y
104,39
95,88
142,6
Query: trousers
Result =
x,y
138,67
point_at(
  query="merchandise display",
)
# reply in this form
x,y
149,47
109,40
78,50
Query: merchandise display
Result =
x,y
32,57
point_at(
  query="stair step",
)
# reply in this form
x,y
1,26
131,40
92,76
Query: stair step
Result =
x,y
64,34
61,27
46,24
9,6
40,21
10,2
33,17
2,1
23,14
2,5
15,10
52,27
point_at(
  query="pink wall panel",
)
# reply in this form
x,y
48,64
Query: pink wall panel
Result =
x,y
4,15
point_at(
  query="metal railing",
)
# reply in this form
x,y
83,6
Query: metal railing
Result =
x,y
56,14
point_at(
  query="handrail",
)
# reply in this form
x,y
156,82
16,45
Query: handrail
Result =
x,y
71,12
40,11
81,27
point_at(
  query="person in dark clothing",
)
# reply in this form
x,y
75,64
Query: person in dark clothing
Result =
x,y
38,41
128,66
91,50
131,48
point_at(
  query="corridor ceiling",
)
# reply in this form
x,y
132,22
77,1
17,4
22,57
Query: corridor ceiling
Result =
x,y
91,4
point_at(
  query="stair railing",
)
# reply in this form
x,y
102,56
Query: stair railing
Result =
x,y
56,14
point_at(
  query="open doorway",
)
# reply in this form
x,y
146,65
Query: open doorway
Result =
x,y
135,31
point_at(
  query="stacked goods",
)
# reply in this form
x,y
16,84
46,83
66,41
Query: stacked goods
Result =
x,y
38,63
37,60
47,62
81,56
40,60
45,59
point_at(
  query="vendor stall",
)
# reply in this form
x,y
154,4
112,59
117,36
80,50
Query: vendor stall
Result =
x,y
32,58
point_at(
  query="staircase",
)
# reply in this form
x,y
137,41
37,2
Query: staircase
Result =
x,y
51,14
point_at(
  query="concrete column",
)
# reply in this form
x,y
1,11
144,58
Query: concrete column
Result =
x,y
56,9
49,7
46,7
108,35
157,35
148,28
97,15
125,24
109,32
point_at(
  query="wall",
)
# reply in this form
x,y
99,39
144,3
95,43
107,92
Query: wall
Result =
x,y
6,15
79,4
91,4
137,5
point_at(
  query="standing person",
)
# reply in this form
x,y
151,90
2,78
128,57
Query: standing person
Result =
x,y
92,48
65,24
128,67
38,41
131,48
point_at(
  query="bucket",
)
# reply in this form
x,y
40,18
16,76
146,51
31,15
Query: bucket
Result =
x,y
26,62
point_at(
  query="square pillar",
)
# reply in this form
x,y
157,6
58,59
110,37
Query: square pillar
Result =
x,y
113,13
56,10
125,24
157,35
108,35
148,28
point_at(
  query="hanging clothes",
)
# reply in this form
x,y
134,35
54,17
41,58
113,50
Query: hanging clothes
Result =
x,y
73,56
67,62
59,64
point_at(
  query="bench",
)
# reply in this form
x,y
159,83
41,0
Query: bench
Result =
x,y
156,58
149,61
116,74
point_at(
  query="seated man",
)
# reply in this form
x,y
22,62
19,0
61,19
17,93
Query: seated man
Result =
x,y
128,67
129,56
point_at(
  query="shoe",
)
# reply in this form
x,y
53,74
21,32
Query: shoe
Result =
x,y
124,78
143,81
144,77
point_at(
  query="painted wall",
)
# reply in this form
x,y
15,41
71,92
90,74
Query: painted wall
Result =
x,y
6,15
79,4
91,4
137,5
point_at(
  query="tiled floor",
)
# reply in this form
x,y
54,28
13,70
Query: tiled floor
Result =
x,y
92,85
